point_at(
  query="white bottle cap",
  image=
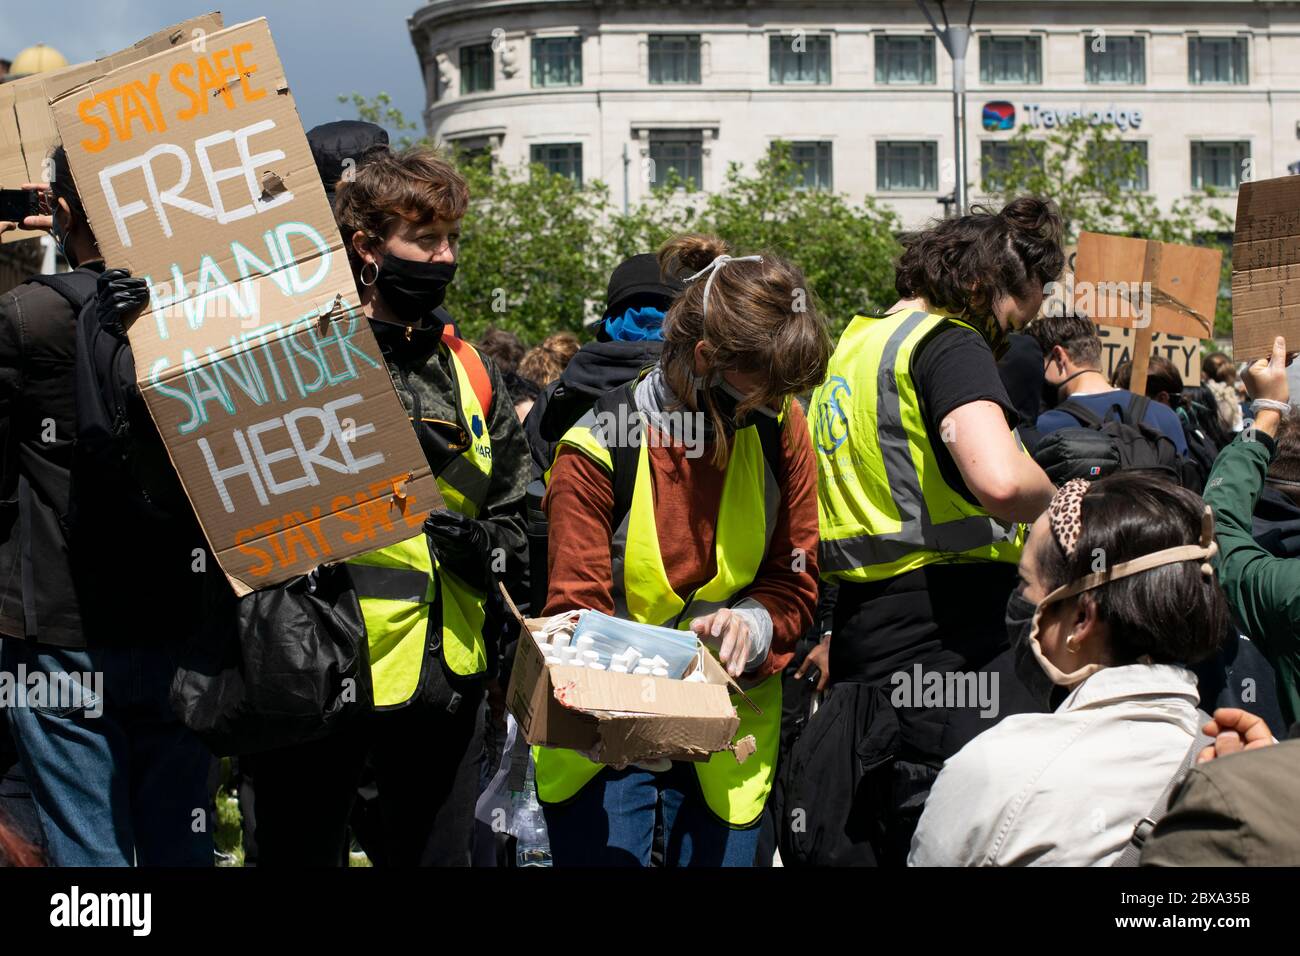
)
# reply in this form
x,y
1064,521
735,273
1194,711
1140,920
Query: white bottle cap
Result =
x,y
660,672
642,670
576,662
585,641
590,655
658,661
552,660
618,668
645,662
594,666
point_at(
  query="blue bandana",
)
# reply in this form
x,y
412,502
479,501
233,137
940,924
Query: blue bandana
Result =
x,y
636,325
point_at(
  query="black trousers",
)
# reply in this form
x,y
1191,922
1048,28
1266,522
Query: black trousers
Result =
x,y
426,768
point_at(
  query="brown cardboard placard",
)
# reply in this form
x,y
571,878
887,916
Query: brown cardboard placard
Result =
x,y
1265,267
1148,286
262,376
1117,348
27,130
1111,271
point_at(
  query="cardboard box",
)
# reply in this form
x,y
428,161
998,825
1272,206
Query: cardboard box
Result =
x,y
1266,268
27,130
1133,283
621,718
265,381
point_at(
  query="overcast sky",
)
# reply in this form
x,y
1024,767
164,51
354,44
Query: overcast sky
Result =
x,y
328,47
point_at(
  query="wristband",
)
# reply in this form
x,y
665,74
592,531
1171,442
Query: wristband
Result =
x,y
1283,408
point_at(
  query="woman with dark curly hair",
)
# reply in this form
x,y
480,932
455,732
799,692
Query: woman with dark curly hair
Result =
x,y
924,494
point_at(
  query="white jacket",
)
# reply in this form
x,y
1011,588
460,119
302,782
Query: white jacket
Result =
x,y
1066,788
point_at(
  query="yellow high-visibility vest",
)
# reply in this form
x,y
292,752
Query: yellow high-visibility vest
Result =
x,y
735,792
398,586
882,502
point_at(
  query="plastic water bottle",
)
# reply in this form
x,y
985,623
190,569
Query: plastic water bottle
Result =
x,y
532,845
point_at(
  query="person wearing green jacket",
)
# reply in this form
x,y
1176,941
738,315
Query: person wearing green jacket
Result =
x,y
1262,589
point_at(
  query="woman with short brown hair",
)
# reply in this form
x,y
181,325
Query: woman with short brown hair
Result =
x,y
719,536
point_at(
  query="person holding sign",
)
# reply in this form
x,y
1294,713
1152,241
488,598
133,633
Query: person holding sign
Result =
x,y
99,584
423,599
1261,588
924,494
718,537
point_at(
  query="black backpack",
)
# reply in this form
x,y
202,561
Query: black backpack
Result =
x,y
1122,441
621,403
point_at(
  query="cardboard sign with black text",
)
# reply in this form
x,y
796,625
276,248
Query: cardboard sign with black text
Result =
x,y
1182,351
258,368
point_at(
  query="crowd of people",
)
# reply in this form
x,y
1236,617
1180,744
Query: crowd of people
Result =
x,y
991,606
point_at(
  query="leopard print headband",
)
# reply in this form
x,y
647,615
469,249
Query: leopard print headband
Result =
x,y
1064,514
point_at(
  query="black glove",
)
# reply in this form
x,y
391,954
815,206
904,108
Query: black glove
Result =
x,y
118,297
461,545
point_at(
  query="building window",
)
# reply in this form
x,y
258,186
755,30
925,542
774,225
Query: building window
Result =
x,y
1120,60
1216,60
557,61
1134,180
907,167
1011,60
996,159
561,159
799,59
476,68
674,58
677,151
904,59
1218,164
814,162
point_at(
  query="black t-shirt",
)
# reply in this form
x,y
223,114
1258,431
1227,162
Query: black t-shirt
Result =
x,y
952,368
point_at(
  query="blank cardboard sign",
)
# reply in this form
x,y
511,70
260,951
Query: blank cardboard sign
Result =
x,y
1266,267
258,368
1112,273
27,132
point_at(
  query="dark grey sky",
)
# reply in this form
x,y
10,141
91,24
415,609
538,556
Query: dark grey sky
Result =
x,y
328,47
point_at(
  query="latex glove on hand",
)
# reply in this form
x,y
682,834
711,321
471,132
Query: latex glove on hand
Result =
x,y
119,296
728,632
461,544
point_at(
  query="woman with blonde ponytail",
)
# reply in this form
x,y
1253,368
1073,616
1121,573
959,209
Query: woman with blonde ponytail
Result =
x,y
718,535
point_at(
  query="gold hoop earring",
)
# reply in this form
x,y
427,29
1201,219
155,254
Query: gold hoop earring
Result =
x,y
1073,648
373,278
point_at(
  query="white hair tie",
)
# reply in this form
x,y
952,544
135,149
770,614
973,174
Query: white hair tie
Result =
x,y
712,269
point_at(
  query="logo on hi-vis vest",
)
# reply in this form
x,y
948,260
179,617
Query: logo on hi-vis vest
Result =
x,y
476,426
832,423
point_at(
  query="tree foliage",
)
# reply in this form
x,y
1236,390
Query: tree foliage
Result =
x,y
1092,174
537,249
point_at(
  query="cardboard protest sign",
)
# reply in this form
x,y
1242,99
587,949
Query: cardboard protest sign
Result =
x,y
259,370
1117,346
1266,267
1148,286
27,130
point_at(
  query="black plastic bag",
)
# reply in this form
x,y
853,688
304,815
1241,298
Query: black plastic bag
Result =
x,y
277,667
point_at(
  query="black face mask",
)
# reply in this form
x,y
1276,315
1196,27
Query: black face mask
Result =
x,y
413,289
1052,390
727,399
1020,620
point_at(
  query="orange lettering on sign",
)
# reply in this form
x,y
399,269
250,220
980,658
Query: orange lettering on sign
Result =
x,y
284,541
125,105
213,77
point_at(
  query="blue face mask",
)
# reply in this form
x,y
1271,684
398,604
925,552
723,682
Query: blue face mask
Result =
x,y
636,325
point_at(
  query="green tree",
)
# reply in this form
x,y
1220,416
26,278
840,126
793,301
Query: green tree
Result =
x,y
537,248
379,109
1091,173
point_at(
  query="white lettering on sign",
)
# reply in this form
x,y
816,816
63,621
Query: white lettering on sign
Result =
x,y
255,460
1050,117
159,199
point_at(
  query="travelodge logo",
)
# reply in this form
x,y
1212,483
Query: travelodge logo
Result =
x,y
999,115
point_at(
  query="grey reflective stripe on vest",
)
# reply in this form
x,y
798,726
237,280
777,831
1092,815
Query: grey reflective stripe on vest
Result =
x,y
466,479
618,549
917,532
389,584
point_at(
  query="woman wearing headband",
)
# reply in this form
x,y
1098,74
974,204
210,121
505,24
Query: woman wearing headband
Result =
x,y
706,521
1117,597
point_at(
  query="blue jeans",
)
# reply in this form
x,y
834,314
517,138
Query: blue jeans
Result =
x,y
116,779
611,822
